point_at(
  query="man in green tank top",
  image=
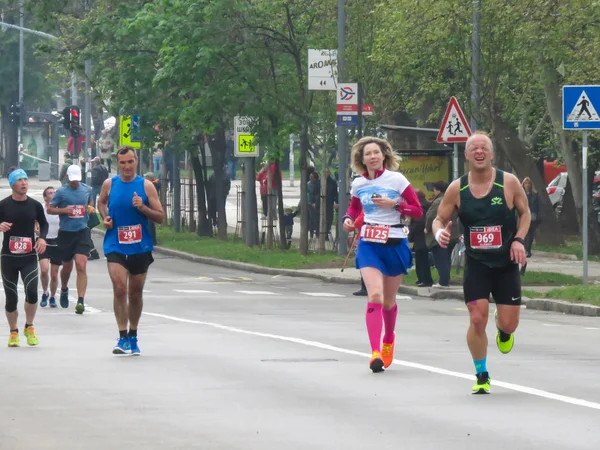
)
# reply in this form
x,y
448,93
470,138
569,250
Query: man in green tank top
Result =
x,y
488,201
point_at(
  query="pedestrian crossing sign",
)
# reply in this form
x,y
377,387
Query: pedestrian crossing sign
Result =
x,y
127,131
454,127
579,107
246,143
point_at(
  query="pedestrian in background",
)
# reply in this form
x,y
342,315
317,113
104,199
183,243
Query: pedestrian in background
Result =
x,y
534,207
416,235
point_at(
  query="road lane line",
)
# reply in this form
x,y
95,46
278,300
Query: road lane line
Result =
x,y
256,292
194,291
438,370
321,294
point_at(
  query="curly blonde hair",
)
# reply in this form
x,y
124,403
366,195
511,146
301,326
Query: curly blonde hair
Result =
x,y
391,160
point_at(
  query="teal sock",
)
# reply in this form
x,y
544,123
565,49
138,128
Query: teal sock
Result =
x,y
480,365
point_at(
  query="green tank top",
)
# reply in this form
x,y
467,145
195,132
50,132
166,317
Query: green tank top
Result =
x,y
489,225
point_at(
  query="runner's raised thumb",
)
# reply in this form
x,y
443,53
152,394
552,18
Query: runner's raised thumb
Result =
x,y
448,227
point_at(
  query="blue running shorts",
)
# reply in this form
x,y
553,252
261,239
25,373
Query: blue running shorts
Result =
x,y
390,259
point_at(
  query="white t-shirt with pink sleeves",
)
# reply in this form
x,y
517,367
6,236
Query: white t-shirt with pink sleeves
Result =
x,y
389,184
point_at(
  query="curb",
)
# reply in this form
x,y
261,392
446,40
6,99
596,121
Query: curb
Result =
x,y
581,309
555,255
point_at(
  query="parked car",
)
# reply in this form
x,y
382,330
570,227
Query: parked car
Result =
x,y
556,189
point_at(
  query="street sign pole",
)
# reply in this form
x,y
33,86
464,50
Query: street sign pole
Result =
x,y
341,134
455,161
359,129
291,160
585,206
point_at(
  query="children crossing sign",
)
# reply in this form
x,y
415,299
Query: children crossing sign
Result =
x,y
579,107
454,127
244,139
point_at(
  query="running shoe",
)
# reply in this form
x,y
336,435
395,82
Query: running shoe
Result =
x,y
506,346
133,344
64,298
79,308
376,363
52,302
387,353
482,383
30,335
122,347
44,301
13,340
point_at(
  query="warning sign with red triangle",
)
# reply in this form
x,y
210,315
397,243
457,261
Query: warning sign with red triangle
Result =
x,y
455,127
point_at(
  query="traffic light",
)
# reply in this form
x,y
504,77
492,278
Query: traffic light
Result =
x,y
66,113
74,120
15,113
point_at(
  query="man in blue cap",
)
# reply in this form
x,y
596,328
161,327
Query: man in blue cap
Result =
x,y
73,203
18,214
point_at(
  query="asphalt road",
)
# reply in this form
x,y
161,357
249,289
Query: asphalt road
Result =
x,y
233,360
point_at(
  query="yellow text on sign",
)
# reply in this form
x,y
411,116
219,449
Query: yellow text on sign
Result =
x,y
246,143
125,132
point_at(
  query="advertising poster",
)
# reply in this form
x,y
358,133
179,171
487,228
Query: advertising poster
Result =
x,y
423,171
35,136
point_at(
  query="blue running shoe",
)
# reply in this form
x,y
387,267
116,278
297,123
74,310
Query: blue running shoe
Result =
x,y
44,301
122,347
135,350
64,298
52,302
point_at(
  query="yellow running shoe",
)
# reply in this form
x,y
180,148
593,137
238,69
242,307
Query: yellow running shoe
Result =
x,y
30,335
506,346
482,383
387,353
376,363
13,340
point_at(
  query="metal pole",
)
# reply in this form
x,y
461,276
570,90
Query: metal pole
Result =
x,y
74,98
291,160
341,134
359,130
250,213
27,30
87,113
455,161
21,63
475,57
585,207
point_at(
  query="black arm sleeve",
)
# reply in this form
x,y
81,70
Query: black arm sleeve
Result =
x,y
41,219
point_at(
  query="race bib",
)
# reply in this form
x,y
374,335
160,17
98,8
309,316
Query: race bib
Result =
x,y
18,245
78,212
376,233
130,235
485,238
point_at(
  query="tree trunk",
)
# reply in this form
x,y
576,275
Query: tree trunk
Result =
x,y
553,101
507,140
217,147
11,156
204,226
270,207
593,225
280,212
304,142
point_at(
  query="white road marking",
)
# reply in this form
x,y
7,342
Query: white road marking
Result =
x,y
551,325
236,278
256,292
591,328
88,308
438,370
194,291
403,297
321,294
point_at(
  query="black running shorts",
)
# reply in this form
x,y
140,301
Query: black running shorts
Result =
x,y
503,283
52,253
71,243
135,264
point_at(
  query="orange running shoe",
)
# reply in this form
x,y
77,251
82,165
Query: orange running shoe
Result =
x,y
376,363
387,353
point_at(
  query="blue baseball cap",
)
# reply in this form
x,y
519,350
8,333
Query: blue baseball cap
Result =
x,y
16,175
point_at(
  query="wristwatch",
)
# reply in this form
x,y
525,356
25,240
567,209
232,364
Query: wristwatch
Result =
x,y
397,206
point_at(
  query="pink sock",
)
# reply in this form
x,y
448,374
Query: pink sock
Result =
x,y
389,321
374,325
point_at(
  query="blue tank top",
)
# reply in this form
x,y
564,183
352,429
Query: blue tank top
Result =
x,y
130,233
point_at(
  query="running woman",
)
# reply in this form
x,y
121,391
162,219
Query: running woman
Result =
x,y
383,255
50,260
488,201
73,203
127,203
18,216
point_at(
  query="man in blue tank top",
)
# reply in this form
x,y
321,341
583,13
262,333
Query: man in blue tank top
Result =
x,y
126,203
488,201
